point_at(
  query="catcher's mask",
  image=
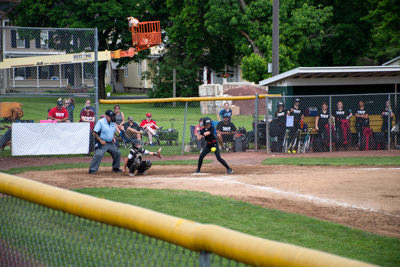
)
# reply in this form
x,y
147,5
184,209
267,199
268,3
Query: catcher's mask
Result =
x,y
136,143
207,121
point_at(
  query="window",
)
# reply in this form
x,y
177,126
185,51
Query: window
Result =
x,y
19,73
44,39
20,42
44,72
139,69
126,72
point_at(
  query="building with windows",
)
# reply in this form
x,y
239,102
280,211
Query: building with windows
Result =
x,y
31,74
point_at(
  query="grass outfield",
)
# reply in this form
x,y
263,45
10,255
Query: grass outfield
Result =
x,y
267,223
258,221
333,161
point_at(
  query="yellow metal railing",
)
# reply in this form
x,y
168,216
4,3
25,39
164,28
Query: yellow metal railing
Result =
x,y
182,99
189,234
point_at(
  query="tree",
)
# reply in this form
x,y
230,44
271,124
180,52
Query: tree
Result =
x,y
187,74
384,16
248,24
109,16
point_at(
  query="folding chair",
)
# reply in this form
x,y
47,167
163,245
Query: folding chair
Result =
x,y
200,144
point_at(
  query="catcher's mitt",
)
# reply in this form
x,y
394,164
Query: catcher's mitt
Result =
x,y
158,153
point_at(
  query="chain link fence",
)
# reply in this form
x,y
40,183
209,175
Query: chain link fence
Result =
x,y
47,75
305,124
174,125
34,235
296,124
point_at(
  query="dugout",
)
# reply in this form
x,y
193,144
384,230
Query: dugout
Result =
x,y
356,80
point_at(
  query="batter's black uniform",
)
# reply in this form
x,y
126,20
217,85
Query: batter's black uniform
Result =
x,y
136,162
342,124
211,141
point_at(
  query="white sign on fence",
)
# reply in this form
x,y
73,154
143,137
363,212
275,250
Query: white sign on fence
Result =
x,y
50,138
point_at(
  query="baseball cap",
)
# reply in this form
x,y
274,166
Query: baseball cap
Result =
x,y
110,113
148,114
280,103
130,118
297,100
207,121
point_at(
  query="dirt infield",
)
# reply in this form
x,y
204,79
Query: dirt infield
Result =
x,y
363,197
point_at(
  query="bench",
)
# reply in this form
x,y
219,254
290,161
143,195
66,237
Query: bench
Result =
x,y
375,123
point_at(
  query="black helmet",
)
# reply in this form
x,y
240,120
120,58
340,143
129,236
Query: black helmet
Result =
x,y
280,103
207,121
136,142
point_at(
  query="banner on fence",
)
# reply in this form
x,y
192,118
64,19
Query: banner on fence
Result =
x,y
50,138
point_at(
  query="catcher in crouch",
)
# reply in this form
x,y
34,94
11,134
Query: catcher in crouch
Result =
x,y
208,133
134,161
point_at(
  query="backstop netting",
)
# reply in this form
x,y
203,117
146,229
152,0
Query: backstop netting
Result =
x,y
34,235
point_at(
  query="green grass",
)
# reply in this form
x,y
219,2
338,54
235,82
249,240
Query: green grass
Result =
x,y
333,161
258,221
86,165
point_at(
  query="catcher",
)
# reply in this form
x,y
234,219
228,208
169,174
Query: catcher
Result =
x,y
135,162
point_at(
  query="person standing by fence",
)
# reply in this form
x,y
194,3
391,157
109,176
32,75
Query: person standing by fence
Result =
x,y
362,126
342,123
87,115
322,126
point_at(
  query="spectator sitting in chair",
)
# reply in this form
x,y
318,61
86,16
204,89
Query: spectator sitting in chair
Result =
x,y
58,113
5,140
225,130
132,129
198,127
150,127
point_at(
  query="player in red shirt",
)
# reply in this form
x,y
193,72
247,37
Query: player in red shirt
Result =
x,y
150,127
58,113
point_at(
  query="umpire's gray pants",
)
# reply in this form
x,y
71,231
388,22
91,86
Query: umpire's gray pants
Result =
x,y
99,154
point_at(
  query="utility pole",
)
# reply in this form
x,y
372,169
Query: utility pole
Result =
x,y
275,37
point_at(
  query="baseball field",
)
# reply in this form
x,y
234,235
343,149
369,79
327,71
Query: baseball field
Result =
x,y
346,203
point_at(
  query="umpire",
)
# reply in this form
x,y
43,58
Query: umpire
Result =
x,y
104,135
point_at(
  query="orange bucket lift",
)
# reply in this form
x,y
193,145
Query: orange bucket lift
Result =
x,y
144,35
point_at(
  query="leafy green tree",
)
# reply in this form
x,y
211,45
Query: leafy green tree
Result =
x,y
254,68
161,73
109,16
248,24
384,16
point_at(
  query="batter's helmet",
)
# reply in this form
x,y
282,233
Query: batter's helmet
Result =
x,y
207,121
280,103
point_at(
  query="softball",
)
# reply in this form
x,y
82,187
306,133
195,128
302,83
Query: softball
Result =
x,y
294,151
213,149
